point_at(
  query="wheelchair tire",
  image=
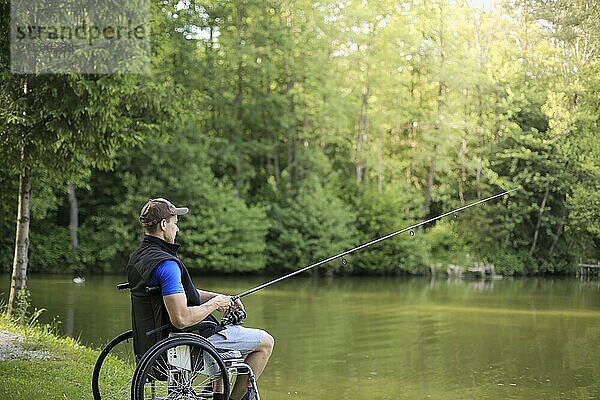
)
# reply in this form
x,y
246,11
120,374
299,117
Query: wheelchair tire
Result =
x,y
183,366
111,378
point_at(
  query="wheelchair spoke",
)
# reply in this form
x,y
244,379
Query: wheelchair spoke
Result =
x,y
181,368
158,373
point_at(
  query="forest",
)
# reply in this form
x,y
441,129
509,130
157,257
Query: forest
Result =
x,y
294,130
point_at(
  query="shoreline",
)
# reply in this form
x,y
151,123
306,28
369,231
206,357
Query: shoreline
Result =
x,y
37,364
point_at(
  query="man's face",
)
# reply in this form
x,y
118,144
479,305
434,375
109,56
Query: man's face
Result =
x,y
170,228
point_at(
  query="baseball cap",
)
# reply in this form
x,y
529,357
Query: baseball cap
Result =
x,y
155,210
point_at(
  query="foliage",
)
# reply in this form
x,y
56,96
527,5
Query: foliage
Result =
x,y
311,227
8,212
221,233
448,245
384,213
296,130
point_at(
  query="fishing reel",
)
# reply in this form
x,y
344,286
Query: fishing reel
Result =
x,y
234,316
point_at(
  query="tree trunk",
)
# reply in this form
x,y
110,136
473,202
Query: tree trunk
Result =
x,y
380,162
463,171
429,187
437,122
237,105
74,217
276,166
290,160
290,82
462,153
239,14
559,231
539,222
300,169
362,136
481,64
481,142
19,274
295,162
478,177
274,138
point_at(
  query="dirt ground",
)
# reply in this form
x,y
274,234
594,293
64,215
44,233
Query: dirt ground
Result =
x,y
11,348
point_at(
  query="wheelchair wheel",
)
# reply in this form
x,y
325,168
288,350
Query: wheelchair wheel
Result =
x,y
114,369
184,366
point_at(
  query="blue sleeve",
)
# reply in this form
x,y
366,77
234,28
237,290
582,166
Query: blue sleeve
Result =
x,y
168,276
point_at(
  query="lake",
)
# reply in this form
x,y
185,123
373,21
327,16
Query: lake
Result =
x,y
388,338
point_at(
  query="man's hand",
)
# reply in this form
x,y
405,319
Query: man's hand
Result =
x,y
221,302
238,304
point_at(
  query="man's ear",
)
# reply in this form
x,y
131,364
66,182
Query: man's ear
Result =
x,y
163,224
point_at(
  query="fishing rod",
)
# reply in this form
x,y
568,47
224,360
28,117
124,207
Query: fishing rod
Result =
x,y
235,318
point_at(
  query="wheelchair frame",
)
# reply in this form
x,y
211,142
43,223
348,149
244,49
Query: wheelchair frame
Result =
x,y
182,366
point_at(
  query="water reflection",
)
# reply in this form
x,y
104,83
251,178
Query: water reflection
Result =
x,y
391,338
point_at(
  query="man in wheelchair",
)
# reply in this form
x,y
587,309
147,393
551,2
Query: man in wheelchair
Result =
x,y
178,306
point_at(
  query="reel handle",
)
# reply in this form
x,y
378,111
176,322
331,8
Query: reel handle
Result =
x,y
234,316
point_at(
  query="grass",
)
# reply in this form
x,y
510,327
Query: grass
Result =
x,y
66,374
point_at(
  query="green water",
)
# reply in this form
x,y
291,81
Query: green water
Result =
x,y
387,338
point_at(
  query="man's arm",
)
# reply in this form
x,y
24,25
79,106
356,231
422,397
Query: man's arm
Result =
x,y
168,275
183,316
206,296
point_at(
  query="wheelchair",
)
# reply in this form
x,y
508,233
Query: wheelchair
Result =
x,y
183,366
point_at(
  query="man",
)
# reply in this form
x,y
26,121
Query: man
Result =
x,y
155,263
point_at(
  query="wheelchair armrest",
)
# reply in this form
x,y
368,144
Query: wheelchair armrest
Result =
x,y
152,289
148,289
199,327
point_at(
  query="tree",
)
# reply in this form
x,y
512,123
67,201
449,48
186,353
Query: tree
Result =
x,y
572,113
62,125
381,214
291,113
311,226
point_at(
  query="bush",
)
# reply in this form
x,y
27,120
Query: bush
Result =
x,y
313,226
447,244
384,213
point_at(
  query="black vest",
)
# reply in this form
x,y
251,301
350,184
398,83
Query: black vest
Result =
x,y
147,308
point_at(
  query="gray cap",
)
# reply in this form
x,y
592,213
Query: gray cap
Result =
x,y
155,210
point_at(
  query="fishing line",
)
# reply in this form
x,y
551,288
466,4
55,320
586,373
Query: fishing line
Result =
x,y
362,246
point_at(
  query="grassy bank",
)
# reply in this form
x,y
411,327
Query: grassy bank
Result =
x,y
65,374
